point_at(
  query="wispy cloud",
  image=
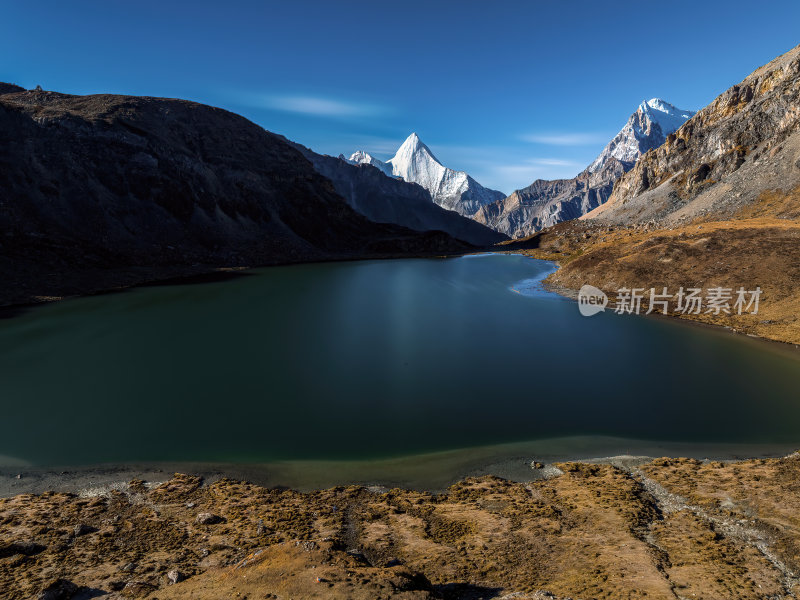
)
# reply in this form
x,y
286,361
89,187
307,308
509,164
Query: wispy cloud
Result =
x,y
540,166
553,162
375,145
565,139
320,106
503,168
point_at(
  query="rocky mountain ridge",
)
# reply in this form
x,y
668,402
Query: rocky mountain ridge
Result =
x,y
545,203
389,199
744,143
647,128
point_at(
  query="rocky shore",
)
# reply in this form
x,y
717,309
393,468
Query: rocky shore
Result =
x,y
624,528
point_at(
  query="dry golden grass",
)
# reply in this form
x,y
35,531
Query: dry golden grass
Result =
x,y
596,531
759,247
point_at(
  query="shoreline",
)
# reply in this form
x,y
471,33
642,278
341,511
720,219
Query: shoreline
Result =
x,y
572,294
10,310
429,472
197,275
769,343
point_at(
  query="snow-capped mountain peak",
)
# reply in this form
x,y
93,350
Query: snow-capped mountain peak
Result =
x,y
647,128
667,115
414,161
359,157
414,144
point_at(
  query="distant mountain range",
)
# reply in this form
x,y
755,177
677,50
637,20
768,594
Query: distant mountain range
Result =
x,y
547,202
414,162
385,198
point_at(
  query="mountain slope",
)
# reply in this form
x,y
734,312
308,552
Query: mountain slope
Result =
x,y
453,190
105,190
386,199
743,143
545,203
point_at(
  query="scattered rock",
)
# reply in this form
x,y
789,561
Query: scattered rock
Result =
x,y
535,464
26,548
128,567
308,545
206,518
60,589
175,576
552,471
83,529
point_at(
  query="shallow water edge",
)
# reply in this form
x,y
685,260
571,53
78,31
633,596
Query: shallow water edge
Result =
x,y
432,472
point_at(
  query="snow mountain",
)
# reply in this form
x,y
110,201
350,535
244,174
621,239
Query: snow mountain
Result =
x,y
646,129
545,203
369,189
362,158
414,162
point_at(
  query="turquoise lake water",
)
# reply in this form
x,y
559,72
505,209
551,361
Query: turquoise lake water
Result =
x,y
370,359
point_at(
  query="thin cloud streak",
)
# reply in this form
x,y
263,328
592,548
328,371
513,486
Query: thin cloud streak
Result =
x,y
517,175
320,107
565,139
380,147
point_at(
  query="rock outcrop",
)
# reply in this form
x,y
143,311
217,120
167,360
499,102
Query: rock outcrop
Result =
x,y
10,88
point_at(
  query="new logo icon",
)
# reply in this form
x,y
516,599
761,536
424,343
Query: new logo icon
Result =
x,y
591,300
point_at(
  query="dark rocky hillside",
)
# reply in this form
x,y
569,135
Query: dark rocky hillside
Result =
x,y
384,199
100,191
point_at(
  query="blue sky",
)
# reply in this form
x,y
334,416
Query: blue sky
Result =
x,y
508,91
